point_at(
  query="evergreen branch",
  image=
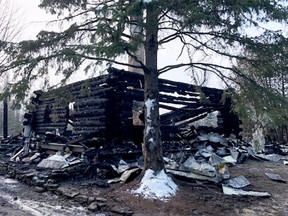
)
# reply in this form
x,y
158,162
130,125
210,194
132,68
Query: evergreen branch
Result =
x,y
208,65
143,66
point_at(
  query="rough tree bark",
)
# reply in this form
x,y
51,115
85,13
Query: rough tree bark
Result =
x,y
5,118
152,148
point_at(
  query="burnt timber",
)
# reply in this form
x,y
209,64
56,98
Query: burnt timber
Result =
x,y
103,106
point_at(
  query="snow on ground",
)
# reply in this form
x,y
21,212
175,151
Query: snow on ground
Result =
x,y
20,197
156,186
35,208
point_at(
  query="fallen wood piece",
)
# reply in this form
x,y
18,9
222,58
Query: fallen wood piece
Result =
x,y
270,157
275,177
214,138
237,182
78,140
16,155
122,166
239,192
59,147
115,180
283,149
229,159
129,175
216,179
53,162
216,160
170,163
68,192
203,153
83,145
234,153
191,165
213,188
243,157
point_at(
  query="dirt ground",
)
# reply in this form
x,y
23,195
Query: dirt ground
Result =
x,y
193,199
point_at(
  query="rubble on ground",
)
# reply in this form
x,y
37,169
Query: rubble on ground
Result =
x,y
202,157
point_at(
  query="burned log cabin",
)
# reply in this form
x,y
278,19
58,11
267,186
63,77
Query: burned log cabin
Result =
x,y
110,107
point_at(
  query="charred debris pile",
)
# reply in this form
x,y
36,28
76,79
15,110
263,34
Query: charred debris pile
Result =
x,y
93,129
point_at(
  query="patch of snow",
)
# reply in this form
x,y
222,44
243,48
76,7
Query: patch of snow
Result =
x,y
156,186
71,106
35,208
148,128
43,209
10,181
150,106
176,94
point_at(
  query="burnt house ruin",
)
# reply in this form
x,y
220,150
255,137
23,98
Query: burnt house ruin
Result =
x,y
110,107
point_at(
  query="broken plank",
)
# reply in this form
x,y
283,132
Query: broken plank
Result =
x,y
239,192
59,147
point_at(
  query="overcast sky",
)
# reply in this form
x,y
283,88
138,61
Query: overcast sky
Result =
x,y
32,17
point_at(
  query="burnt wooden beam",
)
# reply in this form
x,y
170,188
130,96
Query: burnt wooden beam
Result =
x,y
196,118
58,147
91,102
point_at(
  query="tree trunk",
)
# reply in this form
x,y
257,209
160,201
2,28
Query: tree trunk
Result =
x,y
5,118
152,148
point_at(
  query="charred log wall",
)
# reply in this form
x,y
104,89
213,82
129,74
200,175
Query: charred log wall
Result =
x,y
88,104
103,105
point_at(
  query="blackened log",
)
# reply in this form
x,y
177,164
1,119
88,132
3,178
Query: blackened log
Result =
x,y
184,124
93,118
182,116
169,101
179,99
53,108
91,83
130,84
101,90
187,87
116,73
40,116
48,129
89,112
94,102
92,129
81,123
131,95
82,131
100,93
172,90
